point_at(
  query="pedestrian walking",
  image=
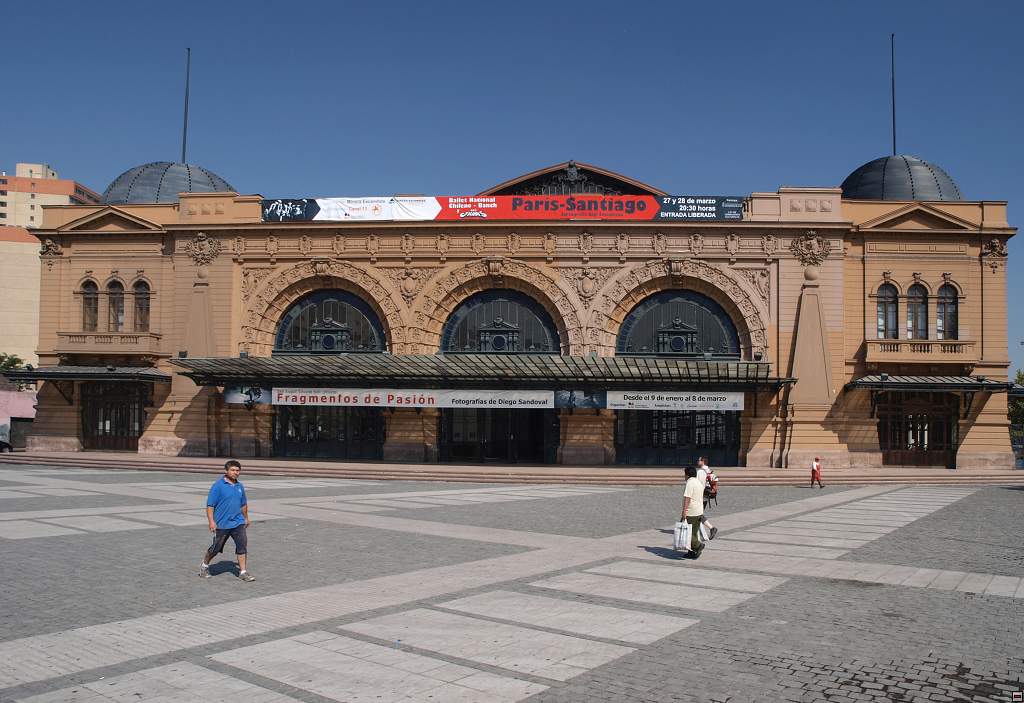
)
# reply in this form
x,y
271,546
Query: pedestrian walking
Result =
x,y
228,513
704,475
816,472
693,510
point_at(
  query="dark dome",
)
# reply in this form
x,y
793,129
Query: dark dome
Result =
x,y
900,178
160,182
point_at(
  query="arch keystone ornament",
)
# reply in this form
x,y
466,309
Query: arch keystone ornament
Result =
x,y
264,309
810,249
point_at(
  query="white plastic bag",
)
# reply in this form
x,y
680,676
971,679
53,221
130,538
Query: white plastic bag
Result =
x,y
681,536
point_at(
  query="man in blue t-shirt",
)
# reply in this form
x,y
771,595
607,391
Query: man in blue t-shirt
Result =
x,y
228,513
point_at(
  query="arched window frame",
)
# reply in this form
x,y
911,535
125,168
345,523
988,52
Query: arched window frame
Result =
x,y
142,295
917,312
662,344
887,307
516,342
947,312
90,292
360,306
115,306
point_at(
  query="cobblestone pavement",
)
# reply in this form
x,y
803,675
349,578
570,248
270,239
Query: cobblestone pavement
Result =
x,y
404,591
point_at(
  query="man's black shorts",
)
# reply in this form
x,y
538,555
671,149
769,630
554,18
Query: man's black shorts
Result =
x,y
221,538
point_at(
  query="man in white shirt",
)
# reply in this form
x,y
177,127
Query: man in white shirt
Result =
x,y
703,470
693,510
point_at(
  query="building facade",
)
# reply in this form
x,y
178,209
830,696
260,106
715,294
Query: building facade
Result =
x,y
864,324
23,195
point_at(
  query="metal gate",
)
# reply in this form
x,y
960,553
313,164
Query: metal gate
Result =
x,y
499,435
113,414
676,437
919,429
329,432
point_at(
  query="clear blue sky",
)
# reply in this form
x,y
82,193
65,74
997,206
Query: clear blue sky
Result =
x,y
318,99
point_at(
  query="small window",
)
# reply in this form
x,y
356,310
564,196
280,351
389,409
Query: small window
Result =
x,y
115,303
917,312
887,307
3,215
32,196
946,313
141,293
90,306
31,207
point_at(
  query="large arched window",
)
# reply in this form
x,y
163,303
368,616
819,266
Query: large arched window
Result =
x,y
141,296
500,321
946,313
115,304
679,323
887,308
90,306
917,312
330,322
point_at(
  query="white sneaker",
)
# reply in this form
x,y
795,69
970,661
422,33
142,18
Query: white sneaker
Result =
x,y
204,571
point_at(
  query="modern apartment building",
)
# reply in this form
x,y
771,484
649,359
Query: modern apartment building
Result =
x,y
23,195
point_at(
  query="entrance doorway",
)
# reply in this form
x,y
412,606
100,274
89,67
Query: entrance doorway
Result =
x,y
499,435
918,429
329,432
113,415
677,437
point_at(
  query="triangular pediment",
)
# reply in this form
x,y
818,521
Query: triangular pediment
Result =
x,y
109,219
917,216
570,177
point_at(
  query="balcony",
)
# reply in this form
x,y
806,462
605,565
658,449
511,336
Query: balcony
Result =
x,y
921,351
119,343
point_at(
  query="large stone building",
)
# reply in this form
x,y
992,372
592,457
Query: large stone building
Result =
x,y
865,323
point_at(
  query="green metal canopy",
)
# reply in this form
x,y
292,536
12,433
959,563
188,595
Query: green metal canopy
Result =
x,y
884,382
514,371
89,373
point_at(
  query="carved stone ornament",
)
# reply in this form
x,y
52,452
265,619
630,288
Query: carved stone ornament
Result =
x,y
887,276
697,243
372,245
947,276
338,245
410,281
550,245
622,245
585,242
305,244
994,247
769,244
587,281
239,246
202,249
273,245
252,279
321,267
917,276
760,279
50,247
443,244
479,243
408,243
660,243
732,244
513,242
810,249
495,266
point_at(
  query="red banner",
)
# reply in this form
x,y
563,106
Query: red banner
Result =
x,y
548,207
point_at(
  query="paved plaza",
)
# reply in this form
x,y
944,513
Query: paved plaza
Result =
x,y
395,591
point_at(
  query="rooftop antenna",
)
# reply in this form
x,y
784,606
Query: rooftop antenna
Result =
x,y
184,128
892,75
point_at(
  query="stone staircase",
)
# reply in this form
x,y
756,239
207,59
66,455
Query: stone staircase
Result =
x,y
492,473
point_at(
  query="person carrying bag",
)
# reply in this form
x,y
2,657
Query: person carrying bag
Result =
x,y
689,532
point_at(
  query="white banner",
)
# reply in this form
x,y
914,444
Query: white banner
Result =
x,y
412,398
377,209
684,400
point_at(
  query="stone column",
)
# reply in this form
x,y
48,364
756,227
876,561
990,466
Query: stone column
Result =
x,y
587,436
411,434
809,432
